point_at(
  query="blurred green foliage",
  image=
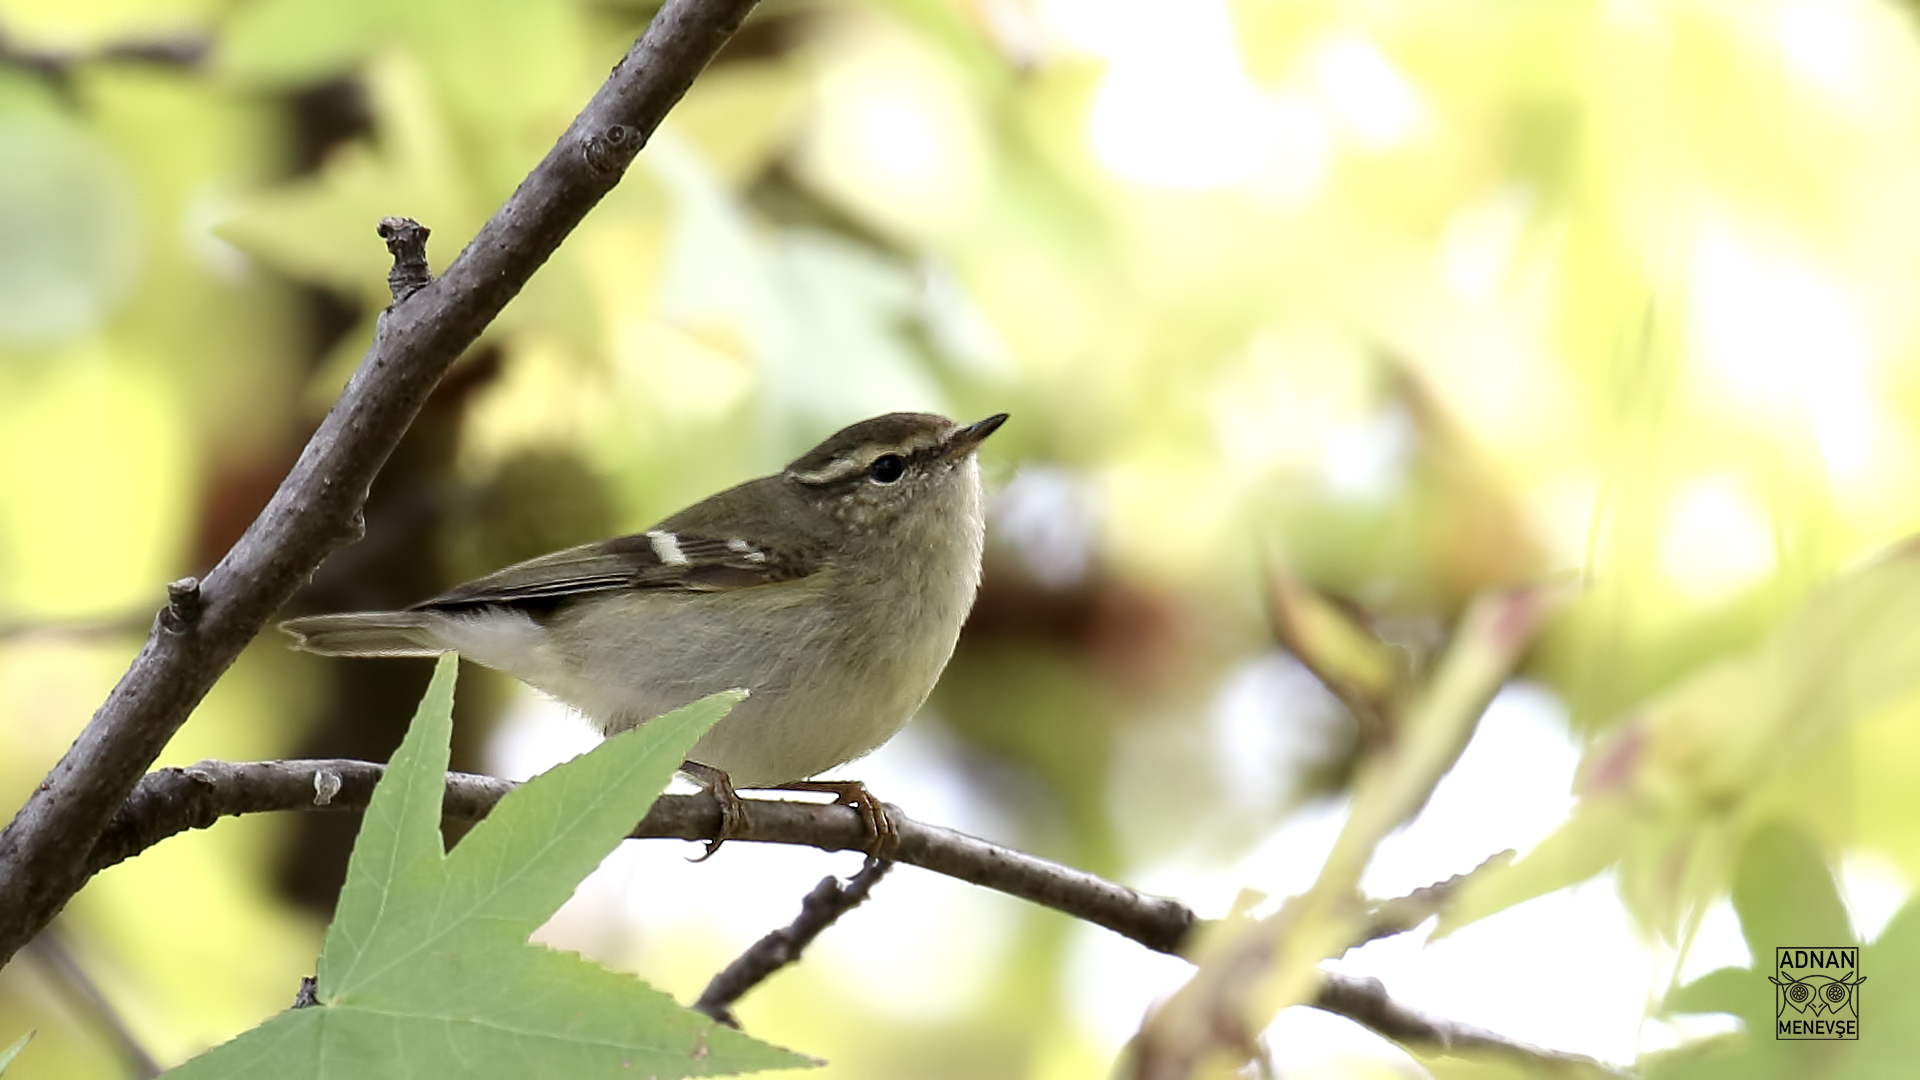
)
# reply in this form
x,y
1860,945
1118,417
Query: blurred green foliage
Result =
x,y
1412,299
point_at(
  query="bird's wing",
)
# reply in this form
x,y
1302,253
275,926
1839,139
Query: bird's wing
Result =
x,y
657,559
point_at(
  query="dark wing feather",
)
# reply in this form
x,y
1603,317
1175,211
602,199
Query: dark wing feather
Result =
x,y
709,564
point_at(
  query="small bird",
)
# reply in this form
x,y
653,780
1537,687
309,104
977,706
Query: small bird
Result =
x,y
833,591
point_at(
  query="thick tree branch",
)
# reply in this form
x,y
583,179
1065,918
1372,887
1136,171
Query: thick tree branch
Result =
x,y
822,908
173,800
317,508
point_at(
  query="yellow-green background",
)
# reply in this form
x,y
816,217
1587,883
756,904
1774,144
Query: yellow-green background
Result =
x,y
1416,297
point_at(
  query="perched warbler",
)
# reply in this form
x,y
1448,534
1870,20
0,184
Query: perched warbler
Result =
x,y
833,591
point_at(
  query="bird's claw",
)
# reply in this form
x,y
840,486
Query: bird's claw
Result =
x,y
733,809
880,826
873,813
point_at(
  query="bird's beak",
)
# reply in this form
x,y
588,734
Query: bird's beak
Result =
x,y
967,439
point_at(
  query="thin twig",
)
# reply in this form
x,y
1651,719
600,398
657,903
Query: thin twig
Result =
x,y
187,52
1365,1001
43,851
53,955
1405,913
75,629
822,908
173,800
1261,965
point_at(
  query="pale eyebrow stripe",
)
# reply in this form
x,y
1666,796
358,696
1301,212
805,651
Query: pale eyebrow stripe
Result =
x,y
838,469
666,547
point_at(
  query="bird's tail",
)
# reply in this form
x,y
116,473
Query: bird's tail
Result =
x,y
367,633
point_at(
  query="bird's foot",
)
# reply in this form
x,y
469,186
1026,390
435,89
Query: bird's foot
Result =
x,y
733,809
873,813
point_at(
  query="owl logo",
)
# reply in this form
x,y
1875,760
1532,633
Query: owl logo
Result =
x,y
1814,995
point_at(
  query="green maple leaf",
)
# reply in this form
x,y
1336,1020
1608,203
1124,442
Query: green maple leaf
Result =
x,y
427,971
11,1052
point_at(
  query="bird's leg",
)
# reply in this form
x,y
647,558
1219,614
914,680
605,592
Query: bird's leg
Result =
x,y
733,809
873,813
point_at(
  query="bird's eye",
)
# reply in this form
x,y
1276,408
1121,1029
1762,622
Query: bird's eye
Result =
x,y
887,468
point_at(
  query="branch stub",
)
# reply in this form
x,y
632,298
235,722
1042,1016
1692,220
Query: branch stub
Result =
x,y
184,605
609,152
407,241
